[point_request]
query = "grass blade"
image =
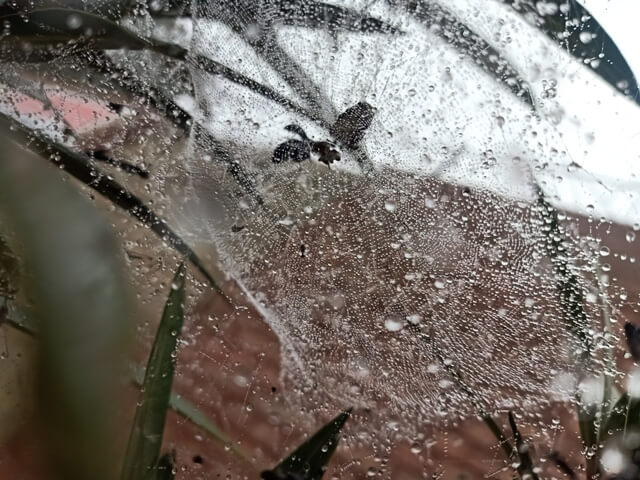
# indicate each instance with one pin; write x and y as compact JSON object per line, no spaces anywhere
{"x":589,"y":434}
{"x":321,"y":15}
{"x":525,"y":468}
{"x":465,"y":40}
{"x":41,"y":28}
{"x":624,"y":415}
{"x":309,"y":460}
{"x":568,"y":285}
{"x":79,"y":166}
{"x":500,"y":436}
{"x":192,"y":413}
{"x":19,"y":321}
{"x":145,"y":439}
{"x":164,"y":469}
{"x":600,"y":52}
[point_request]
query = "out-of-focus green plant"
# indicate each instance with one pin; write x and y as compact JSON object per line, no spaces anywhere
{"x":78,"y":300}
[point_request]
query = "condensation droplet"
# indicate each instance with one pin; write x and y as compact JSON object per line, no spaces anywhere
{"x":390,"y":206}
{"x":586,"y":37}
{"x":393,"y":324}
{"x":74,"y":21}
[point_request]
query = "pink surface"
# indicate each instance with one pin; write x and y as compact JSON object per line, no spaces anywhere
{"x":94,"y":124}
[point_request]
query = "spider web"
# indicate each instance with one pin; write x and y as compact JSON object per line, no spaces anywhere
{"x":419,"y":287}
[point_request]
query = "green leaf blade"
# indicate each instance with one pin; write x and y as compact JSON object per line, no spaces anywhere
{"x":164,"y":469}
{"x":309,"y":460}
{"x":145,"y":439}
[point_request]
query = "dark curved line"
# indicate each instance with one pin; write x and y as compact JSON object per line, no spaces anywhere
{"x":612,"y":67}
{"x":79,"y":166}
{"x":464,"y":39}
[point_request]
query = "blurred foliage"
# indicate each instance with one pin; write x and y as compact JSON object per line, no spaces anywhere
{"x":9,"y":270}
{"x":78,"y":300}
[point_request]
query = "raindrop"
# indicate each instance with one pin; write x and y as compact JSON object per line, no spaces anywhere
{"x":630,"y":236}
{"x":74,"y":21}
{"x":390,"y":206}
{"x":586,"y":37}
{"x":393,"y":325}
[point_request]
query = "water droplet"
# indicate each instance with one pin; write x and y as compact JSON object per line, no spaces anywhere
{"x":286,"y":221}
{"x":604,"y":251}
{"x":390,"y":206}
{"x":74,"y":21}
{"x":586,"y":37}
{"x":630,"y":236}
{"x":393,"y":324}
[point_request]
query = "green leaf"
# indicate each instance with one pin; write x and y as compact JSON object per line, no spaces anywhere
{"x":78,"y":303}
{"x":500,"y":436}
{"x":565,"y":26}
{"x":624,"y":415}
{"x":145,"y":438}
{"x":79,"y":166}
{"x":14,"y":317}
{"x":67,"y":28}
{"x":587,"y":416}
{"x":309,"y":460}
{"x":188,"y":410}
{"x":164,"y":469}
{"x":525,"y":468}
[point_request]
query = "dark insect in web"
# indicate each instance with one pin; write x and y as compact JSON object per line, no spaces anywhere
{"x":349,"y":129}
{"x":301,"y":150}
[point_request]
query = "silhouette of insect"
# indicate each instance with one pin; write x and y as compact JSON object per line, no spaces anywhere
{"x":352,"y":124}
{"x":294,"y":150}
{"x":349,"y":129}
{"x":301,"y":150}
